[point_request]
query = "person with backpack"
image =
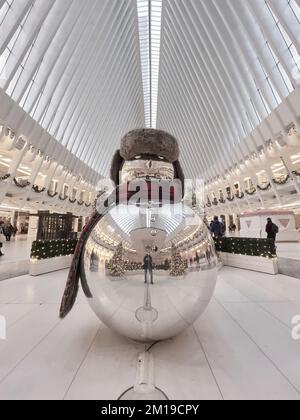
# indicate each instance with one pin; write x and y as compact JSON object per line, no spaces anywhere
{"x":271,"y":229}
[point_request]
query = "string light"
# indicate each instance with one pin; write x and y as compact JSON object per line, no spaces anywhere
{"x":264,"y":248}
{"x":42,"y":250}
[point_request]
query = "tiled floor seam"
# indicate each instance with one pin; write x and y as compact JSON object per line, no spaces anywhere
{"x":260,"y":349}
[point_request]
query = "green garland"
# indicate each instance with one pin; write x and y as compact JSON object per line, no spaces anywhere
{"x":266,"y":188}
{"x":230,"y":199}
{"x":133,"y":266}
{"x":42,"y":250}
{"x":283,"y":182}
{"x":251,"y":192}
{"x":208,"y":201}
{"x":19,"y":185}
{"x":5,"y":177}
{"x":37,"y":189}
{"x":247,"y":246}
{"x":52,"y":195}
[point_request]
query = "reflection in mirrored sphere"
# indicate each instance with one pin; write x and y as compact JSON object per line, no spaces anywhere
{"x":146,"y":286}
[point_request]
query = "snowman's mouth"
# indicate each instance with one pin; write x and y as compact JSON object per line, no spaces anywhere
{"x":147,"y":169}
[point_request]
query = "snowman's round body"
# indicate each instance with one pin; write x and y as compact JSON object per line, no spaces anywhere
{"x":150,"y":268}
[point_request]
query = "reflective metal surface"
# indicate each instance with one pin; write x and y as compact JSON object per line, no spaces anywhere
{"x":158,"y":299}
{"x":141,"y":168}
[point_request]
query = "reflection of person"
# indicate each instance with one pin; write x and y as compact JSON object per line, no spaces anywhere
{"x":216,"y":228}
{"x":148,"y":267}
{"x":209,"y":254}
{"x":94,"y":262}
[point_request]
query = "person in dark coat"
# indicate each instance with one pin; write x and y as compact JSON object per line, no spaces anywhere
{"x":8,"y":231}
{"x":217,"y":228}
{"x":271,"y":229}
{"x":232,"y":228}
{"x":148,"y":267}
{"x":1,"y":236}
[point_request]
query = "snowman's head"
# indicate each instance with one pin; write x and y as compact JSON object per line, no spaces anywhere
{"x":147,"y":154}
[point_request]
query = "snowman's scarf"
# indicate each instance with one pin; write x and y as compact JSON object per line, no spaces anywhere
{"x":72,"y":285}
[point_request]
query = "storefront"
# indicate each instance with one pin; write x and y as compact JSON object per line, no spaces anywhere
{"x":18,"y":219}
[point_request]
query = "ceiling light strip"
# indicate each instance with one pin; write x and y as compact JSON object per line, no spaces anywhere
{"x":149,"y":17}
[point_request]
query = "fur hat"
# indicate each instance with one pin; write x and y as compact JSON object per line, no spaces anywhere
{"x":149,"y":142}
{"x":146,"y":142}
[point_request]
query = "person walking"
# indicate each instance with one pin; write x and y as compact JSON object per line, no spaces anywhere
{"x":2,"y":238}
{"x":8,"y":231}
{"x":271,"y":229}
{"x":15,"y":231}
{"x":217,"y":228}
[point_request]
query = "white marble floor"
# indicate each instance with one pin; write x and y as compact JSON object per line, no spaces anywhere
{"x":241,"y":348}
{"x":15,"y":261}
{"x":18,"y":249}
{"x":289,"y":250}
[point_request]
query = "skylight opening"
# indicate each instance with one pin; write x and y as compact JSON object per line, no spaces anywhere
{"x":149,"y":15}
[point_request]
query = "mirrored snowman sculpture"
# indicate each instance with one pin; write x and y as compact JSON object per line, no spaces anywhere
{"x":146,"y":260}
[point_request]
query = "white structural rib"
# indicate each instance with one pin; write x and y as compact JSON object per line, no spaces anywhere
{"x":226,"y":65}
{"x":74,"y":67}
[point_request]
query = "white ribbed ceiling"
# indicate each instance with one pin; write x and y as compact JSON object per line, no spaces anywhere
{"x":74,"y":66}
{"x":81,"y":69}
{"x":225,"y":65}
